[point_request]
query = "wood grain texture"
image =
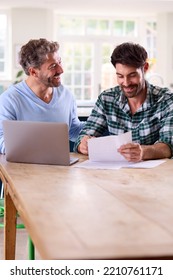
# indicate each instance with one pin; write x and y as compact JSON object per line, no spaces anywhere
{"x":75,"y":213}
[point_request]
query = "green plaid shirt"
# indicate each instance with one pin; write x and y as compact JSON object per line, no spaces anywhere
{"x":153,"y":121}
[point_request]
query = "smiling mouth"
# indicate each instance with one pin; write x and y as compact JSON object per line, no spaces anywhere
{"x":129,"y":89}
{"x":57,"y":77}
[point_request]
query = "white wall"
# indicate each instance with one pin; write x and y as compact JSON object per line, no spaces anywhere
{"x":165,"y":48}
{"x":29,"y":24}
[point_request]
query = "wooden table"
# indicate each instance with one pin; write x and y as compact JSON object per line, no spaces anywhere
{"x":75,"y":213}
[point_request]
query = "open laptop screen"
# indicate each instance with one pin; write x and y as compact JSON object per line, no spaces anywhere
{"x":37,"y":142}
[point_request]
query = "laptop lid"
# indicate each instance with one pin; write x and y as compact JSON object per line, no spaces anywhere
{"x":37,"y":142}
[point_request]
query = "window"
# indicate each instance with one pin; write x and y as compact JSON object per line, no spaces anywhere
{"x":79,"y":73}
{"x":151,"y":29}
{"x":71,"y":26}
{"x":97,"y":27}
{"x":86,"y":44}
{"x":124,"y":28}
{"x":108,"y":76}
{"x":4,"y":50}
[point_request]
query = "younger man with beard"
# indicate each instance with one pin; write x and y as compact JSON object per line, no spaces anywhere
{"x":134,"y":105}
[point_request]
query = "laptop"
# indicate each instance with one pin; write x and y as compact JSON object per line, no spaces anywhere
{"x":37,"y":142}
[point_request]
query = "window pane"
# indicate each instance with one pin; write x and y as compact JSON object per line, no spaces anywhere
{"x":3,"y":23}
{"x":87,"y":94}
{"x":1,"y":66}
{"x":152,"y":26}
{"x":1,"y":52}
{"x":103,"y":27}
{"x":124,"y":28}
{"x":3,"y":41}
{"x":108,"y":74}
{"x":79,"y":66}
{"x":77,"y":49}
{"x":87,"y":78}
{"x":118,"y":27}
{"x":130,"y":28}
{"x":91,"y":26}
{"x":106,"y":52}
{"x":77,"y":93}
{"x":97,"y":27}
{"x":68,"y":64}
{"x":87,"y":64}
{"x":71,"y":26}
{"x":77,"y":79}
{"x":67,"y":78}
{"x":151,"y":33}
{"x":88,"y":50}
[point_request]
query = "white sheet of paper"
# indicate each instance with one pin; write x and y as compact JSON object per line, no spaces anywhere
{"x":143,"y":164}
{"x":105,"y":148}
{"x":119,"y":164}
{"x":98,"y":165}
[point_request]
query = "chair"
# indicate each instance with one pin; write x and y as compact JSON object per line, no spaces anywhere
{"x":31,"y":248}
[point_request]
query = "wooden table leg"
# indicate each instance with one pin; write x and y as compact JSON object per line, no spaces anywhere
{"x":10,"y":227}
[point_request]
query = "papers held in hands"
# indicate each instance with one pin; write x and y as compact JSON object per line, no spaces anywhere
{"x":105,"y":148}
{"x":103,"y":154}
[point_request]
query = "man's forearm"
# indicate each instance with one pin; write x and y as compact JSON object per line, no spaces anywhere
{"x":156,"y":151}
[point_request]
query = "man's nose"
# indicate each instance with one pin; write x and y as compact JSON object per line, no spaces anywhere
{"x":126,"y":81}
{"x":59,"y":68}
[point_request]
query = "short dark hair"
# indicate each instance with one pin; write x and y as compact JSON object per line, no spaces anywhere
{"x":129,"y":54}
{"x":33,"y":54}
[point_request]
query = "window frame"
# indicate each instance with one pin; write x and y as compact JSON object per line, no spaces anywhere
{"x":7,"y":74}
{"x":140,"y":37}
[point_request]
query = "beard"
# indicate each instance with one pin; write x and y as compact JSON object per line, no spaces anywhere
{"x":132,"y":90}
{"x":53,"y":81}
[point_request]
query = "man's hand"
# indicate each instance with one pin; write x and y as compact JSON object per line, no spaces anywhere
{"x":83,"y":146}
{"x":132,"y":152}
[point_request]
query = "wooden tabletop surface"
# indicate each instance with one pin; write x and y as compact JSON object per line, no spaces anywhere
{"x":75,"y":213}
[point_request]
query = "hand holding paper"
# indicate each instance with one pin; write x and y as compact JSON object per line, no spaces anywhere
{"x":103,"y":154}
{"x":105,"y":148}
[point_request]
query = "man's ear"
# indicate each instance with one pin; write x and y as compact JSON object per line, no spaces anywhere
{"x":32,"y":71}
{"x":146,"y":66}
